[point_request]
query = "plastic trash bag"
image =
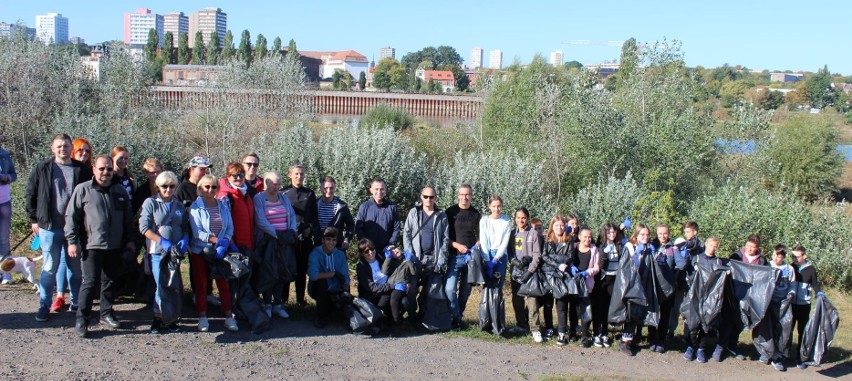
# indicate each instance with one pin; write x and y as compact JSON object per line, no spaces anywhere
{"x":577,"y":286}
{"x":704,"y":298}
{"x":819,"y":332}
{"x":752,"y":287}
{"x":474,"y":267}
{"x":171,"y":288}
{"x":492,"y":310}
{"x":584,"y":309}
{"x":435,"y":314}
{"x":369,"y":310}
{"x":535,"y":286}
{"x":557,"y":283}
{"x":357,"y":322}
{"x":771,"y":336}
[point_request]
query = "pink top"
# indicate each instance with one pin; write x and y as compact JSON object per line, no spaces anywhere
{"x":276,"y":214}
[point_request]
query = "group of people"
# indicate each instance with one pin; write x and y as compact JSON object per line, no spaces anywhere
{"x":93,"y":216}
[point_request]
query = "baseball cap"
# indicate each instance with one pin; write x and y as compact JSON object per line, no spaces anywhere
{"x":200,"y":161}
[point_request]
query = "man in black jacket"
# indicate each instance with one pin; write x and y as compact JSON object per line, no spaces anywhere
{"x":332,"y":211}
{"x":304,"y":202}
{"x":102,"y":212}
{"x":48,"y":191}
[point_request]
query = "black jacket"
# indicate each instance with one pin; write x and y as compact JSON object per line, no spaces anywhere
{"x":342,"y":221}
{"x":304,"y":202}
{"x":38,"y":195}
{"x":367,"y":288}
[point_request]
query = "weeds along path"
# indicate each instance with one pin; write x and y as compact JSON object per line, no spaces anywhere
{"x":295,"y":349}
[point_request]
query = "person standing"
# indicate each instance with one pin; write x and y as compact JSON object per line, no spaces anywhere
{"x":7,"y":177}
{"x":425,"y":237}
{"x":275,"y":218}
{"x":101,"y":211}
{"x":494,"y":231}
{"x":187,"y":191}
{"x":49,"y":189}
{"x":378,"y":218}
{"x":304,"y":202}
{"x":463,"y":221}
{"x":251,"y":165}
{"x":332,"y":211}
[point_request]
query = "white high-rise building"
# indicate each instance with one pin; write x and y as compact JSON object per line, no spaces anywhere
{"x":495,"y":59}
{"x":52,"y":28}
{"x":387,"y":52}
{"x":138,"y":24}
{"x":177,"y":23}
{"x":208,"y":20}
{"x":556,"y":58}
{"x":476,"y":58}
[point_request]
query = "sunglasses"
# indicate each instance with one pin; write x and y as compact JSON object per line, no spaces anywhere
{"x":168,"y":186}
{"x":237,"y":176}
{"x":84,"y":150}
{"x":211,"y":187}
{"x":104,"y":169}
{"x":251,"y":164}
{"x":425,"y":197}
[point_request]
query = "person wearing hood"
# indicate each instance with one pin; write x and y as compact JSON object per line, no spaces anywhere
{"x":806,"y":284}
{"x":328,"y":274}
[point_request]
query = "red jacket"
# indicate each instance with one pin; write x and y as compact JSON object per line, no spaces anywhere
{"x":242,"y":212}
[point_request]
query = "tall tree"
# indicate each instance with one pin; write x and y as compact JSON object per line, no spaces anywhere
{"x":244,"y":52}
{"x":151,"y":45}
{"x":362,"y":80}
{"x":228,"y":49}
{"x":260,"y":47}
{"x":292,"y":52}
{"x":168,"y":53}
{"x":629,"y":61}
{"x":183,"y":49}
{"x":213,"y":49}
{"x":276,"y":45}
{"x":335,"y":79}
{"x":819,"y":88}
{"x":198,"y":49}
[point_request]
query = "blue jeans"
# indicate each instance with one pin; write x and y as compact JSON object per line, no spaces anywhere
{"x":5,"y":228}
{"x":53,"y":247}
{"x":156,"y":258}
{"x":69,"y":272}
{"x":457,"y":281}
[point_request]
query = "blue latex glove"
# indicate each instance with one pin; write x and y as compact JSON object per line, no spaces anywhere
{"x":568,"y":229}
{"x":683,"y":253}
{"x":627,"y":223}
{"x":489,"y":268}
{"x":36,"y":244}
{"x":474,"y":247}
{"x":640,"y":247}
{"x":183,"y":244}
{"x":165,"y":244}
{"x":233,"y":248}
{"x":583,"y":274}
{"x":574,"y":270}
{"x":220,"y":252}
{"x":467,"y":258}
{"x":223,"y":243}
{"x":408,"y":255}
{"x":786,"y":273}
{"x":400,"y":287}
{"x":820,"y":293}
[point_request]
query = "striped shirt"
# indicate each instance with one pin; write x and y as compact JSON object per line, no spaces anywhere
{"x":326,"y":211}
{"x":276,"y":213}
{"x":215,"y":219}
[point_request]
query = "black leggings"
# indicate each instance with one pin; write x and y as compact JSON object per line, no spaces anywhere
{"x":801,"y":315}
{"x":392,"y":302}
{"x":601,"y":296}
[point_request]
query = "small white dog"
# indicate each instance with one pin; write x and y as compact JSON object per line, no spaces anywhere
{"x":21,"y":265}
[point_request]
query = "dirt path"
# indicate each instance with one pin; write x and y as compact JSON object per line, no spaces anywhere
{"x":295,"y":349}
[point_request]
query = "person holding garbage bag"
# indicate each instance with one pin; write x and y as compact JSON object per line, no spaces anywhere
{"x":494,"y":231}
{"x":164,"y":223}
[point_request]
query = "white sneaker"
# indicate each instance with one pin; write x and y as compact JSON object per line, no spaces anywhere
{"x":279,"y":311}
{"x":203,"y":324}
{"x":231,"y":324}
{"x":213,"y":301}
{"x":537,"y":336}
{"x":269,"y":311}
{"x":7,"y":278}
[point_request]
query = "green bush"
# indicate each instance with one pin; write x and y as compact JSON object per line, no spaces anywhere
{"x":384,"y":115}
{"x":607,"y":200}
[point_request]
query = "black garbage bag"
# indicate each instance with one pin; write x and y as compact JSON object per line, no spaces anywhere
{"x":357,"y":322}
{"x":369,"y":310}
{"x":535,"y":286}
{"x":273,"y":263}
{"x":819,"y":332}
{"x":492,"y":310}
{"x":704,"y":298}
{"x":773,"y":334}
{"x":474,"y":267}
{"x":557,"y":283}
{"x":171,"y":287}
{"x":435,"y":314}
{"x":577,"y":286}
{"x":751,"y":290}
{"x":584,"y":309}
{"x":637,"y":292}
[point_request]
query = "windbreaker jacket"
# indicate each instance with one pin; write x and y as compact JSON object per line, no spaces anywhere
{"x":440,"y":235}
{"x":101,"y":214}
{"x":167,"y":219}
{"x":38,"y":196}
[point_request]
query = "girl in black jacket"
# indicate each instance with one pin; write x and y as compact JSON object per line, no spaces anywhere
{"x":609,"y":241}
{"x":558,"y":257}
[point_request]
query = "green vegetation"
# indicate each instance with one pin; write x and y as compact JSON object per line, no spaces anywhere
{"x":384,"y":115}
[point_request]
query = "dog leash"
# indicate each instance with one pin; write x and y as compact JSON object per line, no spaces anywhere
{"x":22,"y":240}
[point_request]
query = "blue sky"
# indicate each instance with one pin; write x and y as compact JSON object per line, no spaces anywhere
{"x":773,"y":35}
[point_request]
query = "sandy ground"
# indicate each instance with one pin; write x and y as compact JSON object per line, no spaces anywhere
{"x":295,"y":349}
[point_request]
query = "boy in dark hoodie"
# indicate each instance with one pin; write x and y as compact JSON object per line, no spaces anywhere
{"x":806,"y":283}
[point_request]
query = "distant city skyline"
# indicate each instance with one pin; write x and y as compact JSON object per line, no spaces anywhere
{"x":755,"y":35}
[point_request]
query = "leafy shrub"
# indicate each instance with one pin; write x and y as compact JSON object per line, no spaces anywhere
{"x":384,"y":115}
{"x":288,"y":145}
{"x":609,"y":199}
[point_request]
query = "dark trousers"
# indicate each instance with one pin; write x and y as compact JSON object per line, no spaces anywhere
{"x":302,"y":250}
{"x":99,"y":266}
{"x":730,"y":327}
{"x":801,"y":315}
{"x":601,"y":296}
{"x":698,"y":339}
{"x":392,"y":304}
{"x":657,"y":335}
{"x":520,"y":307}
{"x":565,"y":307}
{"x":326,"y":301}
